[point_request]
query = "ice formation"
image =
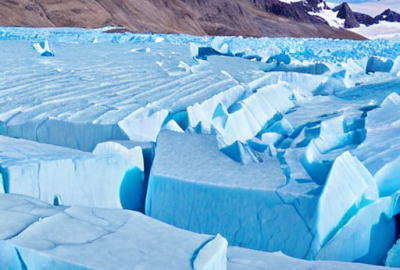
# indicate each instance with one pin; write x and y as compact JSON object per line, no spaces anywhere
{"x":279,"y":145}
{"x":349,"y":180}
{"x":238,"y":195}
{"x":36,"y":235}
{"x":108,"y":179}
{"x":247,"y":259}
{"x":212,"y":255}
{"x":43,"y":48}
{"x":393,"y":257}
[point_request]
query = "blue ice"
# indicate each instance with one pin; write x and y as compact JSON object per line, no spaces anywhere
{"x":35,"y":234}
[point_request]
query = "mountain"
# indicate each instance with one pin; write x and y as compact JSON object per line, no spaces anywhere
{"x":354,"y":19}
{"x":346,"y":13}
{"x":365,"y":19}
{"x":297,"y":11}
{"x":269,"y":18}
{"x":389,"y":16}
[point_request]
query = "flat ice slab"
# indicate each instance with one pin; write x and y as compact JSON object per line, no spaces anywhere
{"x":76,"y":178}
{"x":193,"y":184}
{"x":91,"y":238}
{"x":197,"y":159}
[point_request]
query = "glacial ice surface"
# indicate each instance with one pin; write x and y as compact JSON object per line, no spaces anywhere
{"x":284,"y":144}
{"x":36,"y":234}
{"x":242,"y":197}
{"x":153,"y":81}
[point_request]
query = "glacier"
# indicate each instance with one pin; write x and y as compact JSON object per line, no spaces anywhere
{"x":258,"y":148}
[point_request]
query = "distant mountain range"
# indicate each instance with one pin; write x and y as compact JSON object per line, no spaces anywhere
{"x":270,"y":18}
{"x":354,"y":19}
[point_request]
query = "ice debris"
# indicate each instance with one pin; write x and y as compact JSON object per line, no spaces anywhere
{"x":43,"y":48}
{"x":212,"y":256}
{"x":376,"y":64}
{"x":393,"y":256}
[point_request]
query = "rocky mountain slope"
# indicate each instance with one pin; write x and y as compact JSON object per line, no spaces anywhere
{"x":196,"y":17}
{"x":346,"y":13}
{"x":389,"y":16}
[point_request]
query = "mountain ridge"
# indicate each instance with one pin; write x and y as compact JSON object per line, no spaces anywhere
{"x":195,"y":17}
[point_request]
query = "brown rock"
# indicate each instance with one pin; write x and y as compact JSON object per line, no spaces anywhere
{"x":196,"y":17}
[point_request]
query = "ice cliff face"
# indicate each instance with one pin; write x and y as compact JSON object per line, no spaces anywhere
{"x":269,"y":144}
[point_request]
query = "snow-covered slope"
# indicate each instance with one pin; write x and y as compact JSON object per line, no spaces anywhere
{"x":383,"y":30}
{"x":331,"y":17}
